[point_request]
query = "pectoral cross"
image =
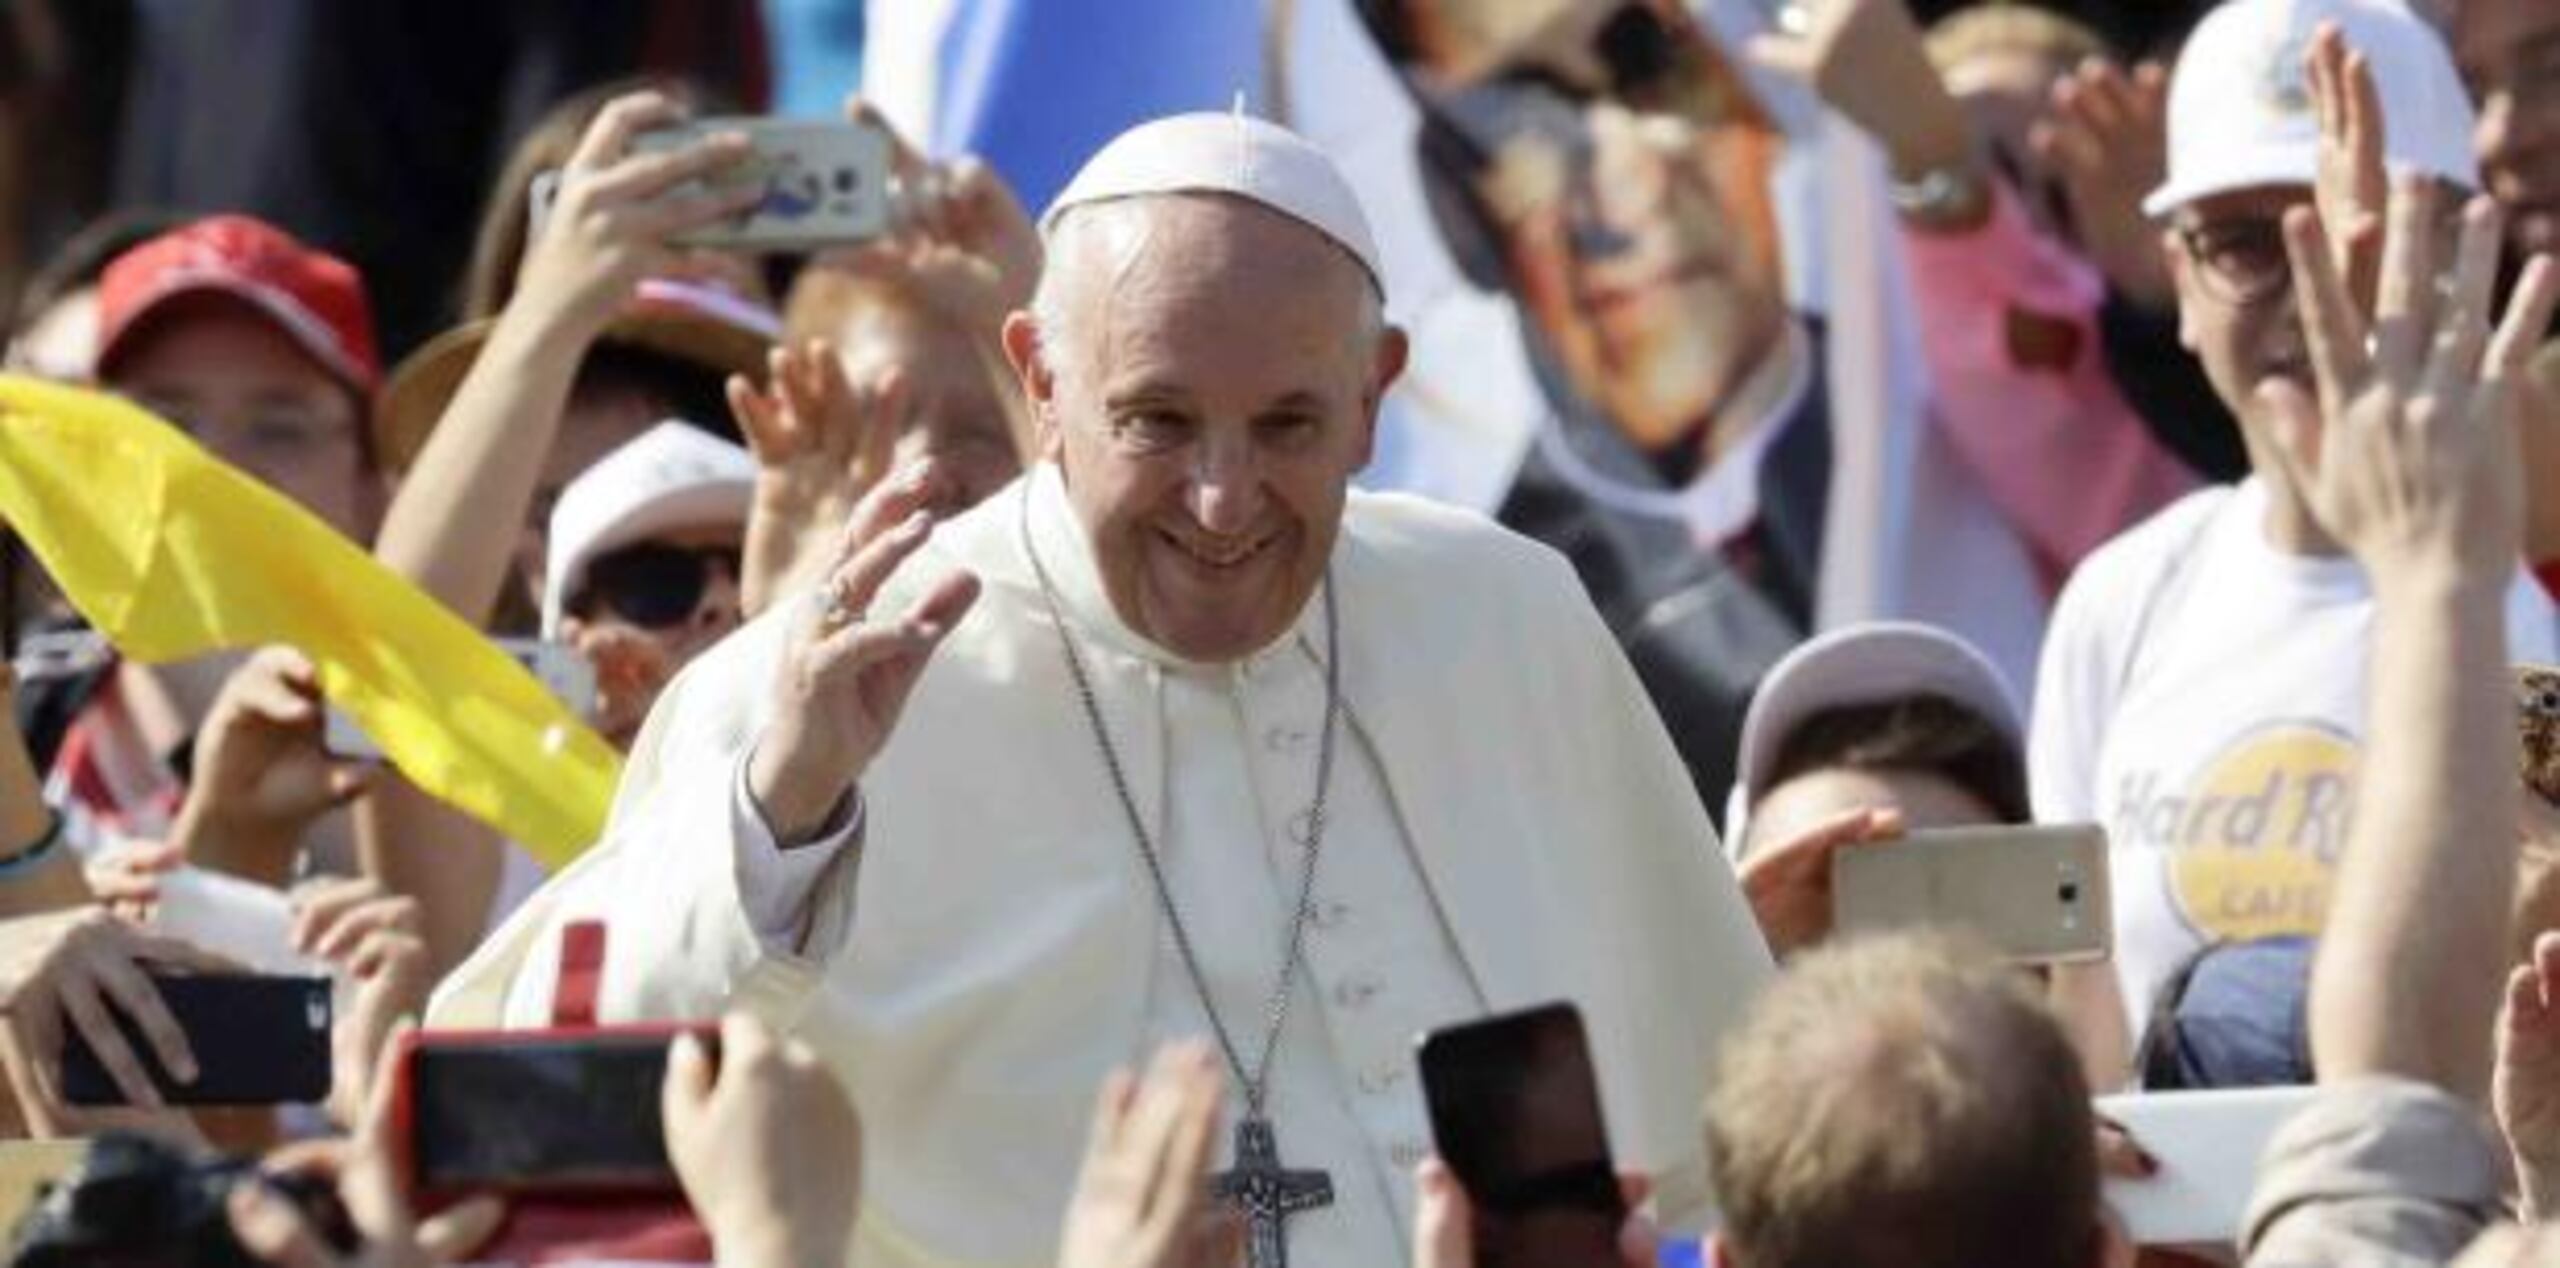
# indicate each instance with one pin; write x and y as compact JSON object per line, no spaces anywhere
{"x":1266,"y":1193}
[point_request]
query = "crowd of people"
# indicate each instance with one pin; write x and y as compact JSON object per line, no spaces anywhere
{"x":1055,"y":788}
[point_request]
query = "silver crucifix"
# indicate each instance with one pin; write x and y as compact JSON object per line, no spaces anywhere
{"x":1266,"y":1193}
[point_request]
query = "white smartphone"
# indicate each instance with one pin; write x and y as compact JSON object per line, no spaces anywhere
{"x":244,"y":921}
{"x":2037,"y":894}
{"x":2207,"y":1144}
{"x":824,"y":183}
{"x":563,"y":670}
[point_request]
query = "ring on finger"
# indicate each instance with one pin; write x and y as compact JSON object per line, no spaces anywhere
{"x":835,"y":613}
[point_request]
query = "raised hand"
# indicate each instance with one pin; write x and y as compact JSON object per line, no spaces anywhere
{"x":261,"y":776}
{"x":68,"y":971}
{"x":373,"y":939}
{"x":767,"y":1147}
{"x":610,"y":221}
{"x":2407,"y":451}
{"x":820,"y":443}
{"x":962,"y":206}
{"x":2352,"y":190}
{"x":1865,"y":59}
{"x":2105,"y":136}
{"x":2525,"y":1089}
{"x":1142,"y":1196}
{"x":1788,"y":883}
{"x":366,"y":1173}
{"x":846,"y":671}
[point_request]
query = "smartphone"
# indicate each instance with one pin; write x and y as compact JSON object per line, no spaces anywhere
{"x":1515,"y":1112}
{"x":257,"y":1040}
{"x":537,"y":1111}
{"x":2207,"y":1144}
{"x":2037,"y":894}
{"x":824,"y":183}
{"x":567,"y":674}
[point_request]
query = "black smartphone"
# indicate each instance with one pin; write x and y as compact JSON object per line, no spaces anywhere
{"x":1515,"y":1112}
{"x":550,"y":1111}
{"x":257,"y":1040}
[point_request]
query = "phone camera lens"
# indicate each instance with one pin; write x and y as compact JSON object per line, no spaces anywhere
{"x":2070,"y":891}
{"x":844,"y":180}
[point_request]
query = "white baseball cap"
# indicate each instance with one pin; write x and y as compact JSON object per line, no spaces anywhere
{"x":1235,"y":154}
{"x":1868,"y":663}
{"x":2240,"y":108}
{"x":672,"y":477}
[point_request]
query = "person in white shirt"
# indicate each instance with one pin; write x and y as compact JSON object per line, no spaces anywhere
{"x":1174,"y":736}
{"x":2201,"y":692}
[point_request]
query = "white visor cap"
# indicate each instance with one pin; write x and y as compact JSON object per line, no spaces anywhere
{"x":2240,"y":108}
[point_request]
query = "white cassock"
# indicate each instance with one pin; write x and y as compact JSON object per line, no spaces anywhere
{"x":1507,"y":825}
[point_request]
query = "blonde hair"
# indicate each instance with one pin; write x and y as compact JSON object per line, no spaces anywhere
{"x":1903,"y":1101}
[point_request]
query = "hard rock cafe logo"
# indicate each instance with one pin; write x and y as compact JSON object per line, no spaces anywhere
{"x":2252,"y":841}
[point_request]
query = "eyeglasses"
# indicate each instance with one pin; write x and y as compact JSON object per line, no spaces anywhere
{"x":653,"y":585}
{"x":2241,"y":262}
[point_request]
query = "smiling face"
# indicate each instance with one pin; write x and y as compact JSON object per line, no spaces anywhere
{"x":1624,"y":167}
{"x":1207,"y":380}
{"x":2236,"y":310}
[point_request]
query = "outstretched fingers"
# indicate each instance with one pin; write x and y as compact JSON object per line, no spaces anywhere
{"x":2404,"y":314}
{"x":2461,"y":336}
{"x":2330,"y":327}
{"x":2529,"y":313}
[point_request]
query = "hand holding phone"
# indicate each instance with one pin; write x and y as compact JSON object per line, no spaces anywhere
{"x":537,"y":1111}
{"x":2037,"y":894}
{"x":1515,"y":1112}
{"x":253,"y":1039}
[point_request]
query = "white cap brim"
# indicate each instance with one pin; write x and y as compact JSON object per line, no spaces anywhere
{"x":1868,"y":663}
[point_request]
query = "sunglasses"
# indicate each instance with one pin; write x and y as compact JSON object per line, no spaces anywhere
{"x":652,"y":585}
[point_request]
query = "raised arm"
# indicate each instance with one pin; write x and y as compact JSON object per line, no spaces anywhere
{"x":2408,"y":458}
{"x":459,"y":516}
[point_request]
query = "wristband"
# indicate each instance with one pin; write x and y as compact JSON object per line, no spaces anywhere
{"x":37,"y":851}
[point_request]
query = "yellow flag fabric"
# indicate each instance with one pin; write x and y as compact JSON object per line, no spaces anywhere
{"x":171,"y":554}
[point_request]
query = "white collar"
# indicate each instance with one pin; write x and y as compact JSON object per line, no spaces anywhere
{"x":1725,"y":497}
{"x":1066,"y":551}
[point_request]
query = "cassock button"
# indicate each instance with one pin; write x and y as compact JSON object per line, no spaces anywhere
{"x":1381,"y":1082}
{"x":1355,"y":992}
{"x":1330,"y":914}
{"x":1283,"y":739}
{"x":1302,"y":827}
{"x":1407,"y":1155}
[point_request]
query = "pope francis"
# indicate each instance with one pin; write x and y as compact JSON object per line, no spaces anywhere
{"x":1176,"y":736}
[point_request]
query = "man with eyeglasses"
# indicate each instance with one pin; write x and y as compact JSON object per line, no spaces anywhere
{"x":2202,"y":691}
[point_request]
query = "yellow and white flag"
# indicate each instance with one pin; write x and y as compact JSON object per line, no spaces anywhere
{"x":171,"y":554}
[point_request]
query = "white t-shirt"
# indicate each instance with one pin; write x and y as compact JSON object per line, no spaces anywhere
{"x":2202,"y":695}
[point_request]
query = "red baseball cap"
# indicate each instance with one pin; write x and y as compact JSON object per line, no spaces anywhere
{"x":315,"y":298}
